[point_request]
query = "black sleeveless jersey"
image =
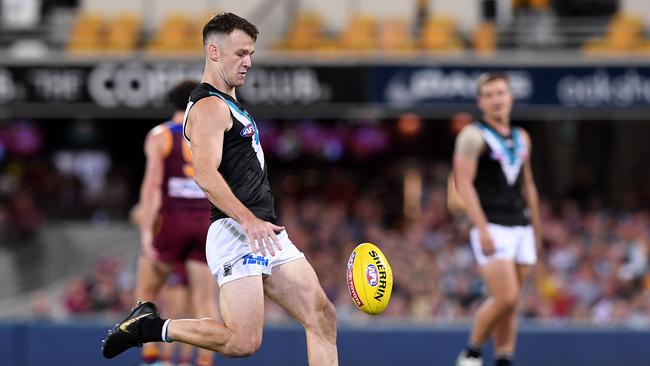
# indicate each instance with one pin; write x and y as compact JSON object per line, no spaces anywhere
{"x":498,"y":177}
{"x":242,"y":162}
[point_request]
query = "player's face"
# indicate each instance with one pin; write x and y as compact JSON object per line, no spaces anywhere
{"x":495,"y":99}
{"x":236,"y":57}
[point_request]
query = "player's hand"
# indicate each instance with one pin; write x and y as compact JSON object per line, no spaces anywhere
{"x":487,"y":244}
{"x":146,"y":242}
{"x":539,"y":244}
{"x":262,"y":236}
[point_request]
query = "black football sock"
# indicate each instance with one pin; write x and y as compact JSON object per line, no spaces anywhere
{"x":473,"y":350}
{"x":151,"y":330}
{"x":504,"y":359}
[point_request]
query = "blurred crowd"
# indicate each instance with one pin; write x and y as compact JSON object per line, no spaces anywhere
{"x":39,"y":182}
{"x":33,"y":189}
{"x":593,"y":266}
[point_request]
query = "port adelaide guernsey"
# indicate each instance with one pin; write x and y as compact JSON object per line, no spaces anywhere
{"x":242,"y":163}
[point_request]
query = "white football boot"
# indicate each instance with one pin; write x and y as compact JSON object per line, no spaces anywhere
{"x":463,"y":360}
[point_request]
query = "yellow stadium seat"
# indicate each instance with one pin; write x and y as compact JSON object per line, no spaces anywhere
{"x":122,"y":33}
{"x":86,"y":34}
{"x":540,"y":4}
{"x":176,"y":34}
{"x":395,"y":37}
{"x":484,"y":38}
{"x":624,"y":35}
{"x":535,"y":4}
{"x":359,"y":34}
{"x":305,"y":33}
{"x":439,"y":36}
{"x":642,"y":48}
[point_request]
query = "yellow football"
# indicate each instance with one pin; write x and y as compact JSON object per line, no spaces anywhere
{"x":370,"y":278}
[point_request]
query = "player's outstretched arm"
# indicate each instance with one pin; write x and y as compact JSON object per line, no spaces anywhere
{"x":466,"y":151}
{"x":207,"y":123}
{"x":455,"y":204}
{"x":529,"y":191}
{"x":155,"y":147}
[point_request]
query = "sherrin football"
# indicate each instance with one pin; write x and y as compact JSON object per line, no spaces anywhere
{"x":370,"y":278}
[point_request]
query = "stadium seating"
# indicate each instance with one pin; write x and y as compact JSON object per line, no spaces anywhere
{"x":359,"y":34}
{"x":371,"y":33}
{"x":305,"y":33}
{"x":439,"y":35}
{"x":484,"y":39}
{"x":534,"y":4}
{"x":623,"y":36}
{"x":178,"y":33}
{"x":86,"y":34}
{"x":122,"y":33}
{"x":395,"y":37}
{"x":93,"y":33}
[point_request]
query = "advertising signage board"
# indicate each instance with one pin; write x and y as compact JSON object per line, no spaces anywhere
{"x":120,"y":89}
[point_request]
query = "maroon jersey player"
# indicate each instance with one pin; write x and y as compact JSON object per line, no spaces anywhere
{"x":174,"y":218}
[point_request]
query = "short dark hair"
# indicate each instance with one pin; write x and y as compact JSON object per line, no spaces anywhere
{"x":225,"y":23}
{"x":488,"y":77}
{"x":179,"y":95}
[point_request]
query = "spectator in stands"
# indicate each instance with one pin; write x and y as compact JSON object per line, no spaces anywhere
{"x":76,"y":298}
{"x":24,"y":216}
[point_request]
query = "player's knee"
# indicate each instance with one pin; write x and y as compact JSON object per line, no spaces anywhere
{"x":507,"y":302}
{"x":329,"y":316}
{"x":328,"y":312}
{"x":242,"y":346}
{"x":323,"y":317}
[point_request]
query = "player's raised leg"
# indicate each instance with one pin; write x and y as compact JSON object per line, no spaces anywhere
{"x":240,"y":332}
{"x":238,"y":335}
{"x":295,"y":287}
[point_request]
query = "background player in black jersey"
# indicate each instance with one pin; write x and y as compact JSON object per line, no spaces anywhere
{"x":248,"y":254}
{"x":494,"y":181}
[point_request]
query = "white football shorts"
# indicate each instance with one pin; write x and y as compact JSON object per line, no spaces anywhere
{"x":229,"y":255}
{"x":510,"y":242}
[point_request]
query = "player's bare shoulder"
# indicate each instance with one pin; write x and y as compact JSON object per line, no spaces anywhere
{"x":159,"y":139}
{"x":525,"y":136}
{"x":469,"y":141}
{"x":208,"y":113}
{"x":158,"y":131}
